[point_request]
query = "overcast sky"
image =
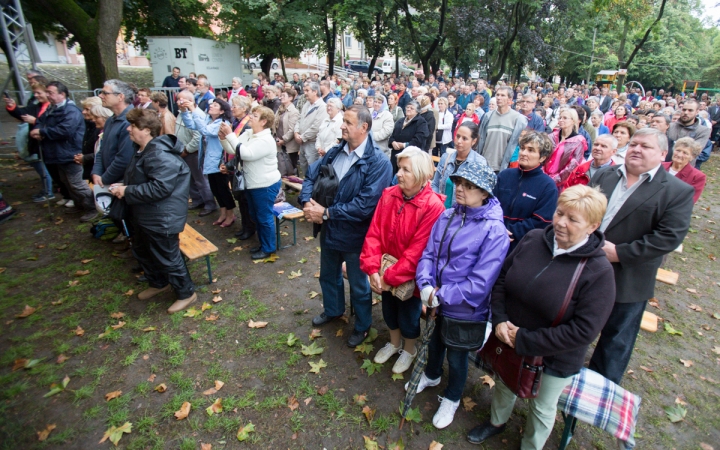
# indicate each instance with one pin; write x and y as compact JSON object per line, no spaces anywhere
{"x":711,"y":9}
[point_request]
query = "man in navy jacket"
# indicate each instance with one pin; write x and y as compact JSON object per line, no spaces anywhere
{"x":363,"y":172}
{"x":116,"y":149}
{"x":61,"y":130}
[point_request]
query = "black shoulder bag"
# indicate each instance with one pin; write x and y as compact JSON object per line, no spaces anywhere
{"x":324,"y":190}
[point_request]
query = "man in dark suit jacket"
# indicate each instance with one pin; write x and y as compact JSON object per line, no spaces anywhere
{"x":605,"y":100}
{"x":648,"y":216}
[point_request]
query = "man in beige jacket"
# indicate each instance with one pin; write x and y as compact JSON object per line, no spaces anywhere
{"x":313,"y":113}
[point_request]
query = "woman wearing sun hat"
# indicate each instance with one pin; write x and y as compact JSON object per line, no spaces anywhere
{"x":456,"y":273}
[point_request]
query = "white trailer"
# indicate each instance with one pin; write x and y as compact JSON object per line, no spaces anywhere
{"x":220,"y":62}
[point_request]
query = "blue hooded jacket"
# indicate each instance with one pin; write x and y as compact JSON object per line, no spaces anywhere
{"x":357,"y":196}
{"x":62,"y":129}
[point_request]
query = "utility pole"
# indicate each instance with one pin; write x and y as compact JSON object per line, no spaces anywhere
{"x":592,"y":55}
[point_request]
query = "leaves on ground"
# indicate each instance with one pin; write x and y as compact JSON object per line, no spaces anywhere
{"x":118,"y":326}
{"x":294,"y":274}
{"x":413,"y":414}
{"x":291,"y":339}
{"x":253,"y":324}
{"x":146,"y":329}
{"x":215,"y":408}
{"x":244,"y":432}
{"x":24,"y":363}
{"x":79,"y":331}
{"x":43,"y":434}
{"x":369,"y":413}
{"x":397,"y":376}
{"x":360,"y":399}
{"x":313,"y":294}
{"x":28,"y":310}
{"x":271,"y":259}
{"x":117,"y":315}
{"x":312,"y":349}
{"x":115,"y":433}
{"x":129,"y":292}
{"x":82,"y":273}
{"x":716,"y":349}
{"x":672,"y":331}
{"x":205,"y":306}
{"x":435,"y":446}
{"x":162,"y":387}
{"x":323,"y":390}
{"x":399,"y":445}
{"x":192,"y":312}
{"x":56,"y":389}
{"x":303,"y":260}
{"x":315,"y":367}
{"x":468,"y":404}
{"x":365,"y":348}
{"x":293,"y":403}
{"x":695,"y":307}
{"x":232,"y":240}
{"x":372,"y":335}
{"x":692,"y":291}
{"x":73,"y":283}
{"x":675,"y":413}
{"x":217,"y":299}
{"x":309,"y":238}
{"x":647,"y":369}
{"x":486,"y":379}
{"x":339,"y":332}
{"x":86,"y":261}
{"x":315,"y":333}
{"x":236,"y":249}
{"x":369,"y":443}
{"x":686,"y":362}
{"x":371,"y":367}
{"x":111,"y":395}
{"x":183,"y":412}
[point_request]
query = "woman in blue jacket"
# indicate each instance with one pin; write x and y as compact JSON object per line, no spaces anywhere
{"x":211,"y":152}
{"x":457,"y":271}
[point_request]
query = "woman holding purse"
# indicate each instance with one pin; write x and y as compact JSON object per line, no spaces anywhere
{"x":457,"y":270}
{"x":399,"y":231}
{"x":545,"y":261}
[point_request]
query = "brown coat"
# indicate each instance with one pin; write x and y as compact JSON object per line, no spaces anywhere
{"x":285,"y":127}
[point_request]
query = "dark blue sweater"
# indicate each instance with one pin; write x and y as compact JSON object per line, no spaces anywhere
{"x":528,"y":200}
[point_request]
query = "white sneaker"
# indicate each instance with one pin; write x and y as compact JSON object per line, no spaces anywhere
{"x":424,"y":383}
{"x":445,"y":413}
{"x":404,"y":361}
{"x":70,"y":204}
{"x":385,"y":353}
{"x":61,"y":202}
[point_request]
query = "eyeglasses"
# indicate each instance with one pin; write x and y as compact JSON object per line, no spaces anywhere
{"x":108,"y":93}
{"x":465,"y":185}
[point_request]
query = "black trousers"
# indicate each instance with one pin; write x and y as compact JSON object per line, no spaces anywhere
{"x":245,"y":219}
{"x":54,"y":172}
{"x":160,"y":258}
{"x":220,"y":187}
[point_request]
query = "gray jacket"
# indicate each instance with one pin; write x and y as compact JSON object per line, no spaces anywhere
{"x":311,"y":117}
{"x":190,"y":138}
{"x":520,"y":125}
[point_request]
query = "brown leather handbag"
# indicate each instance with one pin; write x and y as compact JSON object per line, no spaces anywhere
{"x":405,"y":290}
{"x":521,"y":374}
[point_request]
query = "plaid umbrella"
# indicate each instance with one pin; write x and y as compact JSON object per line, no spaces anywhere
{"x":420,"y":363}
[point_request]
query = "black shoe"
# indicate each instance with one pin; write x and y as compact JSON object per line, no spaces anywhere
{"x":255,"y":249}
{"x":206,"y":212}
{"x":322,"y":319}
{"x":142,"y":279}
{"x":480,"y":433}
{"x":136,"y":269}
{"x":244,"y":235}
{"x":196,"y":206}
{"x":357,"y":337}
{"x":259,"y":255}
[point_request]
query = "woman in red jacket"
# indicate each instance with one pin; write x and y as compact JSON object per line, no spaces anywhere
{"x":468,"y":115}
{"x":401,"y":228}
{"x":685,"y":150}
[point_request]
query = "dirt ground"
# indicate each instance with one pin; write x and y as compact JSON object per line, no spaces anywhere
{"x":267,"y":382}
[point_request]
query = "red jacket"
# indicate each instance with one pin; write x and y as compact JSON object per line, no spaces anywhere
{"x":461,"y":119}
{"x":691,"y":176}
{"x":400,"y":228}
{"x":580,"y":175}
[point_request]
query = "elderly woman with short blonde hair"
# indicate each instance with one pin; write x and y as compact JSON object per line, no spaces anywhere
{"x":685,"y":151}
{"x":400,"y":228}
{"x":329,"y":133}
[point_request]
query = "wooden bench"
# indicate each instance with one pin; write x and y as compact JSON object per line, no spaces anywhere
{"x":193,"y":245}
{"x":292,"y":216}
{"x":667,"y":276}
{"x":435,"y":159}
{"x":291,"y":185}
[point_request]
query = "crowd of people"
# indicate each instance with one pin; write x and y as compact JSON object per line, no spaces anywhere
{"x":539,"y":194}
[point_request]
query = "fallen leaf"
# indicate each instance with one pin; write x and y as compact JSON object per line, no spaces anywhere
{"x":20,"y":364}
{"x":59,"y":302}
{"x":215,"y":291}
{"x":215,"y":408}
{"x":212,"y":317}
{"x":58,"y":221}
{"x":82,"y":273}
{"x":3,"y":269}
{"x":687,"y":362}
{"x":716,"y":316}
{"x":435,"y":446}
{"x":43,"y":434}
{"x":244,"y":432}
{"x":271,"y":259}
{"x":309,"y":238}
{"x":675,"y":413}
{"x":372,"y":335}
{"x":294,"y":274}
{"x":115,"y":433}
{"x":647,"y":369}
{"x":146,"y":357}
{"x":111,"y":395}
{"x":313,"y":294}
{"x":364,"y":348}
{"x":468,"y":404}
{"x":705,"y":446}
{"x":129,"y":293}
{"x":232,"y":240}
{"x":236,"y":249}
{"x":369,"y":443}
{"x":307,"y":401}
{"x":62,"y":358}
{"x":315,"y":333}
{"x":303,"y":260}
{"x":716,"y":350}
{"x":73,"y":283}
{"x":692,"y":291}
{"x":368,"y":413}
{"x":219,"y":384}
{"x":205,"y":446}
{"x":26,"y":312}
{"x":312,"y":349}
{"x":323,"y":390}
{"x":118,"y":326}
{"x":291,"y":339}
{"x":486,"y":379}
{"x":183,"y":412}
{"x":162,"y":387}
{"x":399,"y":445}
{"x":397,"y":376}
{"x":152,"y":377}
{"x":31,"y":258}
{"x":281,"y":272}
{"x":317,"y":275}
{"x":315,"y":367}
{"x":217,"y":299}
{"x":252,"y":324}
{"x":680,"y":402}
{"x":360,"y":399}
{"x":192,"y":312}
{"x":210,"y":391}
{"x":146,"y":329}
{"x":695,"y":307}
{"x":79,"y":331}
{"x":205,"y":306}
{"x":339,"y":332}
{"x":654,"y":304}
{"x":85,"y":261}
{"x":293,"y":403}
{"x":117,"y":315}
{"x":672,"y":331}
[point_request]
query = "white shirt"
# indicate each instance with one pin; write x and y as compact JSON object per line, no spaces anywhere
{"x":345,"y":158}
{"x":622,"y":192}
{"x":557,"y":251}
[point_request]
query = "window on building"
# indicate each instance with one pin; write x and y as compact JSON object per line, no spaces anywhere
{"x":348,"y":41}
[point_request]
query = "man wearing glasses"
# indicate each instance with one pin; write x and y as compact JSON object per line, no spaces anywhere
{"x":116,"y":150}
{"x":526,"y":107}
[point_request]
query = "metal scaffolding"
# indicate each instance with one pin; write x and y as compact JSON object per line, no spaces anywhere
{"x":20,"y":49}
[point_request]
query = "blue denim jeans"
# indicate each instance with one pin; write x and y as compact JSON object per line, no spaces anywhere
{"x":404,"y":315}
{"x":617,"y":340}
{"x":260,"y":202}
{"x":44,"y":176}
{"x":333,"y":287}
{"x":457,"y":364}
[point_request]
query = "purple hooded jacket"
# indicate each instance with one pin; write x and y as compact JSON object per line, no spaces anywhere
{"x":469,"y":260}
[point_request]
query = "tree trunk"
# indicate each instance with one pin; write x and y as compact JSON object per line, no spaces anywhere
{"x":626,"y":64}
{"x":97,"y":36}
{"x":282,"y":64}
{"x":266,"y":64}
{"x":623,"y":40}
{"x":425,"y":57}
{"x":331,"y":50}
{"x":519,"y":16}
